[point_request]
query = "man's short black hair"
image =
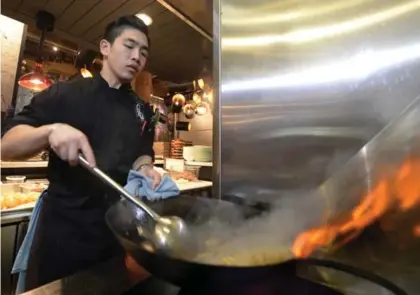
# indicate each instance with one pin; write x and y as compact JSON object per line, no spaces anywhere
{"x":114,"y":29}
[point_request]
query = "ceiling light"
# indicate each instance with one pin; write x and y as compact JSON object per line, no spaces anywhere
{"x":196,"y":97}
{"x":178,"y":100}
{"x":145,"y":18}
{"x":85,"y":73}
{"x":200,"y":83}
{"x":55,"y":48}
{"x":189,"y":110}
{"x":35,"y":80}
{"x":202,"y":108}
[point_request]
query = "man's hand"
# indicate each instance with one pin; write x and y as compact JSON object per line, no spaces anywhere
{"x":148,"y":171}
{"x":67,"y":142}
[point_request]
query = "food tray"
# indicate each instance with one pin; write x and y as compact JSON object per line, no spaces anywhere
{"x":20,"y":191}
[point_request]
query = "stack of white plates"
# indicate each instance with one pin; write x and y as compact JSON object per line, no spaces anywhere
{"x":202,"y":153}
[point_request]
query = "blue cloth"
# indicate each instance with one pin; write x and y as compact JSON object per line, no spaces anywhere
{"x":21,"y":262}
{"x":141,"y":186}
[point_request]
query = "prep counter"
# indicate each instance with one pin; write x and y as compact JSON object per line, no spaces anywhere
{"x":109,"y":278}
{"x":14,"y":225}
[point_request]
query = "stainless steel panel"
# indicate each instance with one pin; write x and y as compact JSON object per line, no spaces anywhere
{"x":373,"y":206}
{"x":390,"y":159}
{"x":217,"y":113}
{"x":305,"y":84}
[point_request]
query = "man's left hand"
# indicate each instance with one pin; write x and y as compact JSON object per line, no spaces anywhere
{"x":148,"y":171}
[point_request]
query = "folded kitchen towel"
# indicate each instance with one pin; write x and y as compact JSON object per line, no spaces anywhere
{"x":141,"y":186}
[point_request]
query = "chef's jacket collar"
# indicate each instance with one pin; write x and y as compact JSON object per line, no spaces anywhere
{"x":103,"y":84}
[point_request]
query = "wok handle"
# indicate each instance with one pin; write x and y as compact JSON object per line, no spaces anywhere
{"x":114,"y":185}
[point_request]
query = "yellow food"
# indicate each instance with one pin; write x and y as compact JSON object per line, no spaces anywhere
{"x":235,"y":252}
{"x":14,"y":199}
{"x":243,"y":258}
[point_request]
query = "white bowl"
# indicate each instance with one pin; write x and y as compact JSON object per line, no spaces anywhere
{"x":188,"y":153}
{"x":15,"y":179}
{"x":203,"y":153}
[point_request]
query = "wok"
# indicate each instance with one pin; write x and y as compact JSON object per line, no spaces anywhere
{"x":125,"y":220}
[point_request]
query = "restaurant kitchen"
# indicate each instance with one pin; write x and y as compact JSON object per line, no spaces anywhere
{"x":62,"y":37}
{"x":315,"y":153}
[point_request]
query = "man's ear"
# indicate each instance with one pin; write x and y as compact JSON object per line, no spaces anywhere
{"x":104,"y":47}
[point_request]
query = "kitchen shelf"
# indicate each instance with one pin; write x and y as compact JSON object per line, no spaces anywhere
{"x":202,"y":164}
{"x":44,"y":164}
{"x":193,"y":185}
{"x":23,"y":164}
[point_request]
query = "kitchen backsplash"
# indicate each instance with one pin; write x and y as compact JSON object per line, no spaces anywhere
{"x":201,"y":132}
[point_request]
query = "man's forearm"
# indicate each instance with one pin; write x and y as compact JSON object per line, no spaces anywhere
{"x":24,"y":141}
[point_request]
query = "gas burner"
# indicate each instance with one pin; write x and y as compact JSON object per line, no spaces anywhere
{"x":282,"y":285}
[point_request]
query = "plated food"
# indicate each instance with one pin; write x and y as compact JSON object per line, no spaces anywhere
{"x":183,"y":177}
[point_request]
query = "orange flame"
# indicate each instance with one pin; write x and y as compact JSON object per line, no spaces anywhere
{"x":401,"y":190}
{"x":416,"y":230}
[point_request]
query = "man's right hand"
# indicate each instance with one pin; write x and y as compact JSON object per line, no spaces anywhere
{"x":67,"y":142}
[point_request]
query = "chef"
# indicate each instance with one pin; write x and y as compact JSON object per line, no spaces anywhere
{"x":105,"y":120}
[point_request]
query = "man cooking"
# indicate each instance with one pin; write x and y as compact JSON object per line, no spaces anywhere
{"x":102,"y":118}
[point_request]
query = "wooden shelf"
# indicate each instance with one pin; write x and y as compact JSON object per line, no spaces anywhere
{"x":202,"y":164}
{"x":188,"y":186}
{"x":23,"y":164}
{"x":44,"y":164}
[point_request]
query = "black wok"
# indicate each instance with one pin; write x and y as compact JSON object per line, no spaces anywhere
{"x":124,"y":219}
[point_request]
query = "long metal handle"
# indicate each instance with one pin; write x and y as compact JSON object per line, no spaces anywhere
{"x":109,"y":181}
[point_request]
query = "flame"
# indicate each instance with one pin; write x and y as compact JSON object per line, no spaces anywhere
{"x":416,"y":230}
{"x":401,"y":190}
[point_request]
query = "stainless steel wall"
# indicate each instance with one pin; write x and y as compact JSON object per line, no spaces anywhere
{"x":304,"y":85}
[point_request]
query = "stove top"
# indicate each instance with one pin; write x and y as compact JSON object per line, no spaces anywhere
{"x":283,"y":285}
{"x":280,"y":286}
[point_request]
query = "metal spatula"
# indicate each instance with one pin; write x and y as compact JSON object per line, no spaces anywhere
{"x":171,"y":232}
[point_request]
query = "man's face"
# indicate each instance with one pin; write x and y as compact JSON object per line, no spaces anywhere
{"x":127,"y":56}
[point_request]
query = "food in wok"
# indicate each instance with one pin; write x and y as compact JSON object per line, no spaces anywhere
{"x":240,"y":246}
{"x":242,"y":258}
{"x":227,"y":239}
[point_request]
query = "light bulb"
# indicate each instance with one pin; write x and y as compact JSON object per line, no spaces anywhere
{"x":145,"y":18}
{"x":202,"y":108}
{"x":178,"y":99}
{"x":196,"y":97}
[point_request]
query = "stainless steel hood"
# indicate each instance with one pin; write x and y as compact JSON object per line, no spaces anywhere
{"x":304,"y":85}
{"x":306,"y":88}
{"x":371,"y":209}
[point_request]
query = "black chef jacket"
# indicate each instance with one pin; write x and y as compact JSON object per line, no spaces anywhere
{"x":71,"y":233}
